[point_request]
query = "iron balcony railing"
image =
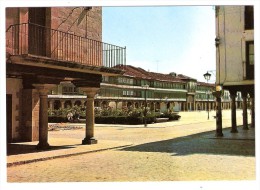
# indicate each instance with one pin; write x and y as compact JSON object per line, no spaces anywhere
{"x":33,"y":39}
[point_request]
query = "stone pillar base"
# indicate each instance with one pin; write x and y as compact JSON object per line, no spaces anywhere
{"x":245,"y":127}
{"x":89,"y":141}
{"x":219,"y":134}
{"x":233,"y":130}
{"x":43,"y":146}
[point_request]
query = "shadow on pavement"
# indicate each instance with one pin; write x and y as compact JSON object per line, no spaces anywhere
{"x":202,"y":143}
{"x":15,"y":149}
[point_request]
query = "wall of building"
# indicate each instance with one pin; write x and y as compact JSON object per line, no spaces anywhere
{"x":68,"y":19}
{"x":231,"y":55}
{"x":65,"y":19}
{"x":84,"y":26}
{"x":30,"y":112}
{"x":12,"y":17}
{"x":76,"y":33}
{"x":14,"y":87}
{"x":123,"y":91}
{"x":25,"y":111}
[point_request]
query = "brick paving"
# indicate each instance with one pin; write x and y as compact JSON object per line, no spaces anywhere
{"x":184,"y":150}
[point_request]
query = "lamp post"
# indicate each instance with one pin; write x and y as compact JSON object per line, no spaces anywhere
{"x":146,"y":86}
{"x":207,"y":92}
{"x":207,"y":77}
{"x":218,"y":94}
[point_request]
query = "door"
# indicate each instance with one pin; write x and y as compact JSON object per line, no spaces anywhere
{"x":37,"y":31}
{"x":9,"y":118}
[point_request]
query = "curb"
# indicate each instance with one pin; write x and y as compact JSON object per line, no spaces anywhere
{"x":61,"y":156}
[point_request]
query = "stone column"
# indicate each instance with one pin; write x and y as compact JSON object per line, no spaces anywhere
{"x":51,"y":105}
{"x":116,"y":104}
{"x":43,"y":90}
{"x":219,"y":132}
{"x":62,"y":103}
{"x":73,"y":103}
{"x":82,"y":102}
{"x":90,"y":118}
{"x":252,"y":98}
{"x":233,"y":112}
{"x":245,"y":121}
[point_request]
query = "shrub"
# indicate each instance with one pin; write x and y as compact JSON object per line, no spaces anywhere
{"x":57,"y":119}
{"x":125,"y":115}
{"x":170,"y":115}
{"x":123,"y":120}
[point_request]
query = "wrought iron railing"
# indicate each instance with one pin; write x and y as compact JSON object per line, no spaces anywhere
{"x":28,"y":38}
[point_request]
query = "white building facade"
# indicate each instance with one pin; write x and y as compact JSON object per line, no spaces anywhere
{"x":235,"y":60}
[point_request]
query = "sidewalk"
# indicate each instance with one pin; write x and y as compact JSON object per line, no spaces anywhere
{"x":241,"y":135}
{"x":22,"y":153}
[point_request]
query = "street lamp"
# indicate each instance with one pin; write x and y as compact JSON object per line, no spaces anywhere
{"x":207,"y":77}
{"x":146,"y":86}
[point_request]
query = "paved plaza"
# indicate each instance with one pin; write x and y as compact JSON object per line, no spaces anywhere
{"x":184,"y":150}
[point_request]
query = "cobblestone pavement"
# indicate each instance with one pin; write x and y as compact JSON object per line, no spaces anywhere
{"x":185,"y":150}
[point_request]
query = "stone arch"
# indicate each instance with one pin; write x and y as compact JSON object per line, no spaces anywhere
{"x":104,"y":104}
{"x":77,"y":103}
{"x":129,"y":104}
{"x":152,"y":106}
{"x":168,"y":105}
{"x":57,"y":104}
{"x":112,"y":104}
{"x":67,"y":104}
{"x":157,"y":106}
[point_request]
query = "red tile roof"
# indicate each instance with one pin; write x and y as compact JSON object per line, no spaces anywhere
{"x":205,"y":84}
{"x":184,"y":77}
{"x":138,"y":72}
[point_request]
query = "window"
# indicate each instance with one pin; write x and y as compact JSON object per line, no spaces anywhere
{"x":249,"y":17}
{"x":105,"y":79}
{"x":251,"y":56}
{"x":125,"y":81}
{"x":68,"y":90}
{"x":137,"y":82}
{"x":128,"y":93}
{"x":250,"y":60}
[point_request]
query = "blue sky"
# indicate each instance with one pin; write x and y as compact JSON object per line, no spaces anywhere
{"x":164,"y":38}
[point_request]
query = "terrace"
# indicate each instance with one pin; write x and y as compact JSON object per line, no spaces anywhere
{"x":29,"y":39}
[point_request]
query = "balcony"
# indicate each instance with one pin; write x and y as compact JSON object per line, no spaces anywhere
{"x":36,"y":40}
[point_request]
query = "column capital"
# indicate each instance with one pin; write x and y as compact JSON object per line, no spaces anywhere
{"x":44,"y":88}
{"x":91,"y":92}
